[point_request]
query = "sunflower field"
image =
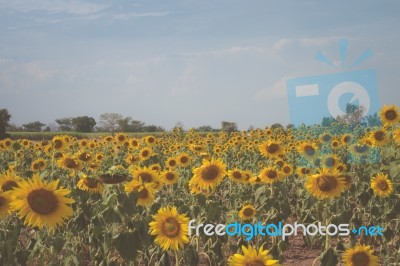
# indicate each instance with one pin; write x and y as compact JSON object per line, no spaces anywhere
{"x":120,"y":200}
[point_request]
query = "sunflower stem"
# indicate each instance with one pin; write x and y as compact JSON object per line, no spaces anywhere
{"x":176,"y":258}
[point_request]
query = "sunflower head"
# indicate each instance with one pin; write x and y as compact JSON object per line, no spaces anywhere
{"x":390,"y":115}
{"x":360,"y":256}
{"x":326,"y":184}
{"x":170,"y":228}
{"x":209,"y":174}
{"x":247,"y":212}
{"x":381,"y":185}
{"x":252,"y":257}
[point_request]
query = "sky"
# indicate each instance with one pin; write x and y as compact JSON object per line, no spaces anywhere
{"x":194,"y":62}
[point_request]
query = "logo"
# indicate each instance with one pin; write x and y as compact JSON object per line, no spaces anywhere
{"x":311,"y":99}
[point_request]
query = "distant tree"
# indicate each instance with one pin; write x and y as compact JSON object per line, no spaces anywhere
{"x":276,"y":125}
{"x":327,"y":121}
{"x":137,"y":126}
{"x":251,"y":128}
{"x":124,"y":124}
{"x":14,"y":128}
{"x":353,"y":115}
{"x":205,"y":129}
{"x":47,"y":129}
{"x":290,"y":126}
{"x":33,"y":126}
{"x":373,"y":120}
{"x":83,"y":123}
{"x":109,"y":121}
{"x":65,"y":124}
{"x":4,"y":122}
{"x":228,"y":126}
{"x":153,"y":128}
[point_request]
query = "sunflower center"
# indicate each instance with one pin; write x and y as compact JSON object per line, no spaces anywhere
{"x":330,"y":162}
{"x":145,"y":153}
{"x":210,"y":172}
{"x":90,"y":182}
{"x":70,"y":163}
{"x":172,"y":163}
{"x":255,"y":263}
{"x":143,"y":194}
{"x":326,"y":138}
{"x":347,"y":139}
{"x":360,"y":259}
{"x":383,"y":185}
{"x":170,"y":176}
{"x":326,"y":183}
{"x":146,"y":177}
{"x":184,"y":159}
{"x":390,"y":115}
{"x":237,"y":175}
{"x":9,"y":185}
{"x":286,"y":169}
{"x":84,"y":156}
{"x":248,"y":212}
{"x":361,"y":148}
{"x":57,"y":144}
{"x":171,"y":227}
{"x":379,"y":135}
{"x":309,"y":150}
{"x":272,"y":174}
{"x":273,"y":148}
{"x":42,"y":201}
{"x":305,"y":171}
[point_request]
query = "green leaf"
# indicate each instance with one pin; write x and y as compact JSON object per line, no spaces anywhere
{"x":127,"y":244}
{"x":329,"y":258}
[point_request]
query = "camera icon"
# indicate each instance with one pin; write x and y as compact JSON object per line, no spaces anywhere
{"x":313,"y":98}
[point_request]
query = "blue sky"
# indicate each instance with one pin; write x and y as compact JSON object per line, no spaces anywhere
{"x":197,"y":62}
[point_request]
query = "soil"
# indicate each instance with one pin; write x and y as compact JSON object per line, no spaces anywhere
{"x":299,"y":254}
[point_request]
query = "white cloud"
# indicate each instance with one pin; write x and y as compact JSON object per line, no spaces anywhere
{"x":275,"y":91}
{"x":75,"y":7}
{"x":129,"y":16}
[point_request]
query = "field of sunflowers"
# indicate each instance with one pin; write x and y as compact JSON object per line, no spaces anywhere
{"x":121,"y":200}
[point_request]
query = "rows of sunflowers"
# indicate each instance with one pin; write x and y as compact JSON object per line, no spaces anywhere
{"x":122,"y":200}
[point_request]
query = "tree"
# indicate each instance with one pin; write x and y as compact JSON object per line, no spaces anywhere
{"x":83,"y":123}
{"x":33,"y":126}
{"x":64,"y":124}
{"x":276,"y":125}
{"x":153,"y":128}
{"x":4,"y":122}
{"x":205,"y":129}
{"x":228,"y":126}
{"x":374,"y":120}
{"x":327,"y":121}
{"x":109,"y":121}
{"x":353,"y":115}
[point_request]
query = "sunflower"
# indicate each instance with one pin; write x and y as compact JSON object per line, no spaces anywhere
{"x":271,"y":149}
{"x":287,"y":170}
{"x":170,"y":177}
{"x":90,"y":184}
{"x":378,"y":137}
{"x":5,"y":200}
{"x":390,"y":115}
{"x":69,"y":162}
{"x":59,"y":143}
{"x":132,"y":159}
{"x":145,"y":154}
{"x":41,"y":203}
{"x":325,"y":184}
{"x":171,"y":162}
{"x":156,"y":167}
{"x":209,"y":174}
{"x":120,"y":137}
{"x":150,"y":140}
{"x":184,"y":159}
{"x":360,"y":150}
{"x":247,"y":212}
{"x":134,"y":143}
{"x":381,"y":185}
{"x":9,"y":180}
{"x":326,"y":138}
{"x":330,"y":161}
{"x":346,"y":139}
{"x":396,"y":135}
{"x":170,"y":228}
{"x":308,"y":150}
{"x":145,"y":195}
{"x":236,"y":175}
{"x":84,"y":156}
{"x":270,"y":175}
{"x":145,"y":175}
{"x":252,"y":257}
{"x":360,"y":255}
{"x":38,"y":165}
